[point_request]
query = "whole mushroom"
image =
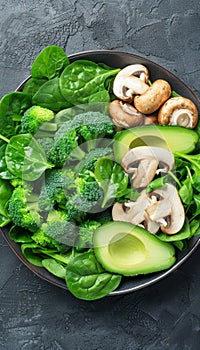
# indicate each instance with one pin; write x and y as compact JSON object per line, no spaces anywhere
{"x":151,"y":100}
{"x":130,"y":81}
{"x":124,"y":115}
{"x":178,"y":111}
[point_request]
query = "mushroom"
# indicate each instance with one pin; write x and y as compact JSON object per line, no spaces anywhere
{"x":150,"y":119}
{"x":168,"y":210}
{"x":153,"y":98}
{"x":144,"y":162}
{"x":125,"y":115}
{"x":160,"y":209}
{"x":178,"y":111}
{"x":128,"y":83}
{"x":133,"y":212}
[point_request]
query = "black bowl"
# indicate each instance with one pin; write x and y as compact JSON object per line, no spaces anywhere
{"x":122,"y":59}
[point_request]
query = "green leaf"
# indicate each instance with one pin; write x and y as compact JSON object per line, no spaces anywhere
{"x":83,"y":78}
{"x":184,"y":233}
{"x":25,"y":158}
{"x":5,"y":194}
{"x":54,"y":267}
{"x":20,"y":235}
{"x":87,"y":280}
{"x":31,"y":256}
{"x":195,"y":227}
{"x":49,"y":63}
{"x":4,"y":220}
{"x":111,"y":178}
{"x":12,"y":106}
{"x":49,"y":96}
{"x":4,"y":172}
{"x":33,"y":85}
{"x":186,"y":192}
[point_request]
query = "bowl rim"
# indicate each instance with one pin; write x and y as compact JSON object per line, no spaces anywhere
{"x":39,"y":271}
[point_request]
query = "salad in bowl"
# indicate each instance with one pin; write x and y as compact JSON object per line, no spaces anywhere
{"x":100,"y":171}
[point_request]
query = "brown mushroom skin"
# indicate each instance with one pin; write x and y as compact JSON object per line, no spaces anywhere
{"x":153,"y":98}
{"x":124,"y":115}
{"x":150,"y":119}
{"x":188,"y":119}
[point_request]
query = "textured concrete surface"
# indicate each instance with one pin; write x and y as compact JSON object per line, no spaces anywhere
{"x":35,"y":315}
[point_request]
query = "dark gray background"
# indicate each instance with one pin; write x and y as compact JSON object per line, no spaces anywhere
{"x":33,"y":313}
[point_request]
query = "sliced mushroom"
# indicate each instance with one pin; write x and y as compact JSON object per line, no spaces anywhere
{"x":178,"y":111}
{"x":133,"y":212}
{"x":160,"y":209}
{"x":127,"y":83}
{"x":153,"y":98}
{"x":145,"y":161}
{"x":174,"y":219}
{"x":125,"y":115}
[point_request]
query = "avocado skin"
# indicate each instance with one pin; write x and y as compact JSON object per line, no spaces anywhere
{"x":174,"y":138}
{"x":146,"y":253}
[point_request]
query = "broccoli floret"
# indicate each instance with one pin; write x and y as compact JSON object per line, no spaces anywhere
{"x":85,"y":235}
{"x":90,"y":159}
{"x":59,"y":185}
{"x":60,"y":228}
{"x":46,"y":143}
{"x":63,"y":148}
{"x":24,"y":211}
{"x":34,"y":117}
{"x":41,"y":238}
{"x":86,"y":197}
{"x":88,"y":187}
{"x":52,"y":191}
{"x":92,"y":126}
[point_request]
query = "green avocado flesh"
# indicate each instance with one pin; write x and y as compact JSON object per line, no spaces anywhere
{"x":130,"y":250}
{"x":174,"y":138}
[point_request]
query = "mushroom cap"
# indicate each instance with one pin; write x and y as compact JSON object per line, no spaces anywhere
{"x":178,"y":111}
{"x":124,"y":114}
{"x":127,"y":82}
{"x":143,"y":162}
{"x":174,"y":220}
{"x":153,"y":98}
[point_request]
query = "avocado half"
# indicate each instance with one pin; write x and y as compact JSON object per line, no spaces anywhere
{"x":174,"y":138}
{"x":130,"y":250}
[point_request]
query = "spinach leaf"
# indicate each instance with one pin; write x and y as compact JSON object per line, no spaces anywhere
{"x":20,"y":235}
{"x":112,"y":179}
{"x":100,"y":96}
{"x":12,"y":107}
{"x":186,"y":192}
{"x":49,"y":96}
{"x":29,"y":251}
{"x":82,"y":79}
{"x":54,"y":267}
{"x":86,"y":279}
{"x":25,"y":158}
{"x":33,"y":85}
{"x":4,"y":172}
{"x":184,"y":233}
{"x":5,"y":194}
{"x":49,"y":63}
{"x":4,"y":220}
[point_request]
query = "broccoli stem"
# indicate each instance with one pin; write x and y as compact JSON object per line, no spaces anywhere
{"x":49,"y":127}
{"x":77,"y":154}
